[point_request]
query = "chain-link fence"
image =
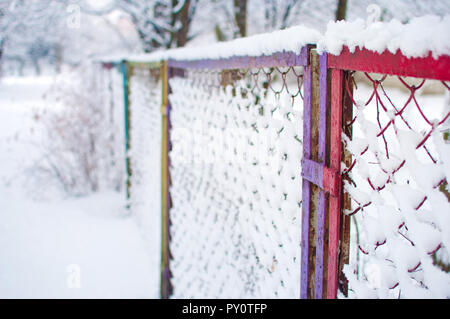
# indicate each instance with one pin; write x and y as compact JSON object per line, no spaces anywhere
{"x":236,"y":140}
{"x":293,"y":175}
{"x":396,"y":181}
{"x":145,"y":136}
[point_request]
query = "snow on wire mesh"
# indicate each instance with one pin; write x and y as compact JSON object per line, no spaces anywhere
{"x":145,"y":157}
{"x":112,"y":95}
{"x":235,"y":167}
{"x":397,"y":182}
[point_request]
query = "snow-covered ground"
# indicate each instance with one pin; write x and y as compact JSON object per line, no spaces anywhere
{"x":60,"y":248}
{"x":90,"y":247}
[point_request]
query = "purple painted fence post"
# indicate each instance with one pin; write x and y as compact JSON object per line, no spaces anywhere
{"x":321,"y":252}
{"x":312,"y":177}
{"x":306,"y":185}
{"x":314,"y":167}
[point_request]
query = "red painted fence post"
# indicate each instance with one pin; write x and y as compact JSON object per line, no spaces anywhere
{"x":335,"y":164}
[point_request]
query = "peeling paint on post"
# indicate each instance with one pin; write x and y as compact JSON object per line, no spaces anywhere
{"x":321,"y":237}
{"x":310,"y":190}
{"x":344,"y":236}
{"x":335,"y":163}
{"x":306,"y":195}
{"x":321,"y":179}
{"x":166,"y":286}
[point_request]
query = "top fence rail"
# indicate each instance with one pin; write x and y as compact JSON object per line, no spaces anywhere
{"x":280,"y":59}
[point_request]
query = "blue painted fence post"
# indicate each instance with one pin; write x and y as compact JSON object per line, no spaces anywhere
{"x":126,"y":101}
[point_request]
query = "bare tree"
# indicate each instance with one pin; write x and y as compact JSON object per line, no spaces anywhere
{"x":23,"y":22}
{"x":277,"y":13}
{"x":159,"y":23}
{"x":341,"y":10}
{"x":244,"y":17}
{"x":240,"y":17}
{"x":184,"y":17}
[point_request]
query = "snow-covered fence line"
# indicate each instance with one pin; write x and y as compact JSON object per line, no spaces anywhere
{"x":267,"y":154}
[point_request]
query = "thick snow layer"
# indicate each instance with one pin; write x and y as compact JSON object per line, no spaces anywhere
{"x":288,"y":40}
{"x":404,"y":216}
{"x":80,"y":248}
{"x":414,"y":39}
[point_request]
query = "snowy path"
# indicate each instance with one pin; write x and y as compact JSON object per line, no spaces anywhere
{"x":45,"y":246}
{"x":76,"y":248}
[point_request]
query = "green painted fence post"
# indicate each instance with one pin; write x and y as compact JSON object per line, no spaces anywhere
{"x":126,"y":73}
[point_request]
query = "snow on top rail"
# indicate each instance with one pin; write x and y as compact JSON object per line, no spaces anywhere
{"x":289,"y":40}
{"x":417,"y":38}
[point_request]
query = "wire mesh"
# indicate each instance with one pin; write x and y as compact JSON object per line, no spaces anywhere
{"x":235,"y":168}
{"x":145,"y":159}
{"x":397,"y":183}
{"x":112,"y":95}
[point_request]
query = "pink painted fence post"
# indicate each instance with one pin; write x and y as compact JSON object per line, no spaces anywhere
{"x":322,"y":219}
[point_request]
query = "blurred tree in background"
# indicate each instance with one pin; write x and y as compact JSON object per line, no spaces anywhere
{"x":35,"y":34}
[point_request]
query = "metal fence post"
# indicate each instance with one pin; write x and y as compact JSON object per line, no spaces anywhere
{"x":346,"y":157}
{"x":166,"y":287}
{"x":322,"y":199}
{"x":311,"y":177}
{"x":306,"y":187}
{"x":322,"y":219}
{"x":338,"y":223}
{"x":126,"y":74}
